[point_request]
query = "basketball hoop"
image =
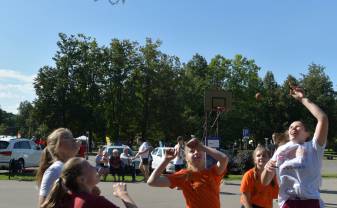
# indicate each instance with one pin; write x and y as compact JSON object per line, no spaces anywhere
{"x":215,"y":100}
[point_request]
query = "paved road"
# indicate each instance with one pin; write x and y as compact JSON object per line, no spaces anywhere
{"x":24,"y":194}
{"x":329,"y":167}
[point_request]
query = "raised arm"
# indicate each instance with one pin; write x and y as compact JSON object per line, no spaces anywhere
{"x":268,"y":172}
{"x":217,"y":155}
{"x":158,"y":180}
{"x":321,"y":131}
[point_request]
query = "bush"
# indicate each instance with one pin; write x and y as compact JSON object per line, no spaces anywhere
{"x":242,"y":162}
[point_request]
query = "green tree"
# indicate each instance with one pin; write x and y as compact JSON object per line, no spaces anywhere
{"x":25,"y":119}
{"x":319,"y":88}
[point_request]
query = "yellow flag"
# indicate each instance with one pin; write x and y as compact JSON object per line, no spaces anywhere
{"x":108,"y":142}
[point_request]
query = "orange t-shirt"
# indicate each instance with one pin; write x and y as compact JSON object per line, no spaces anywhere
{"x":261,"y":195}
{"x":200,"y":189}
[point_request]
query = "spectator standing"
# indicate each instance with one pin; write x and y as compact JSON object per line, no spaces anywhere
{"x":179,"y":160}
{"x":143,"y":153}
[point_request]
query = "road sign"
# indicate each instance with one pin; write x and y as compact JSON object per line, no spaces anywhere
{"x":245,"y":132}
{"x":213,"y":142}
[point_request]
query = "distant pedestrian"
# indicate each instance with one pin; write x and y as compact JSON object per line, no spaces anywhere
{"x":179,"y":160}
{"x":143,"y":153}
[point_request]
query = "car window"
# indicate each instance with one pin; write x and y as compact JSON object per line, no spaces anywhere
{"x":33,"y":145}
{"x":25,"y":145}
{"x":120,"y":150}
{"x":154,"y":152}
{"x":160,"y":152}
{"x":4,"y":144}
{"x":110,"y":151}
{"x":130,"y":152}
{"x":17,"y":145}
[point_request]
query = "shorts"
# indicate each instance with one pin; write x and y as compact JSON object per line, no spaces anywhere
{"x":253,"y":206}
{"x":145,"y":161}
{"x":307,"y":203}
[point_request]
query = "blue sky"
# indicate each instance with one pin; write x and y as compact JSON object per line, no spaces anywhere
{"x":281,"y":36}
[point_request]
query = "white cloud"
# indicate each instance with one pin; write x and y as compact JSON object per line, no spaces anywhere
{"x":15,"y":87}
{"x":11,"y":74}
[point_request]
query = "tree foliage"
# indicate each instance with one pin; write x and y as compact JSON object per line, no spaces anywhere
{"x":125,"y":89}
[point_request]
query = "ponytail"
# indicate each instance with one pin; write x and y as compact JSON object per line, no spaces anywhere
{"x":45,"y":161}
{"x":58,"y":192}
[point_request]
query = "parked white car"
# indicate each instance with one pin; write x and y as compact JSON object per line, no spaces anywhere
{"x":24,"y":150}
{"x":158,"y":154}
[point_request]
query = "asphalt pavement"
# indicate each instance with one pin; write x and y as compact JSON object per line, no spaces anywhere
{"x":24,"y":194}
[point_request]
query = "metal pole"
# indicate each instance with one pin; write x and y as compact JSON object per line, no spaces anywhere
{"x":217,"y":124}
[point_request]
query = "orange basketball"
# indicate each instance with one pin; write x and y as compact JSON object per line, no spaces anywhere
{"x":258,"y":96}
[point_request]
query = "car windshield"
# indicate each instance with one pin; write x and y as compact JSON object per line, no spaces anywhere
{"x":4,"y":144}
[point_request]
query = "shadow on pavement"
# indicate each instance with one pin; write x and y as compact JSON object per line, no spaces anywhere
{"x":227,"y":193}
{"x":232,"y":184}
{"x":328,"y":192}
{"x":330,"y":205}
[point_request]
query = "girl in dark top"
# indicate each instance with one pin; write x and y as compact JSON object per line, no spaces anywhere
{"x":76,"y":188}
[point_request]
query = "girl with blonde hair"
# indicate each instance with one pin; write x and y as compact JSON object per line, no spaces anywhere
{"x":61,"y":146}
{"x":253,"y":193}
{"x":200,"y":186}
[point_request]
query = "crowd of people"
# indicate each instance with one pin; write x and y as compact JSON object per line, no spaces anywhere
{"x":291,"y":174}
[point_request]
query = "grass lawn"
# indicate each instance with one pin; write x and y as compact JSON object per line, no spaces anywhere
{"x":31,"y":177}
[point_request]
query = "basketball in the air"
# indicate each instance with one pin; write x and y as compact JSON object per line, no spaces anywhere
{"x":258,"y":96}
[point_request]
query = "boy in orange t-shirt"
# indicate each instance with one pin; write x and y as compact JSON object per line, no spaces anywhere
{"x":200,"y":186}
{"x":254,"y":194}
